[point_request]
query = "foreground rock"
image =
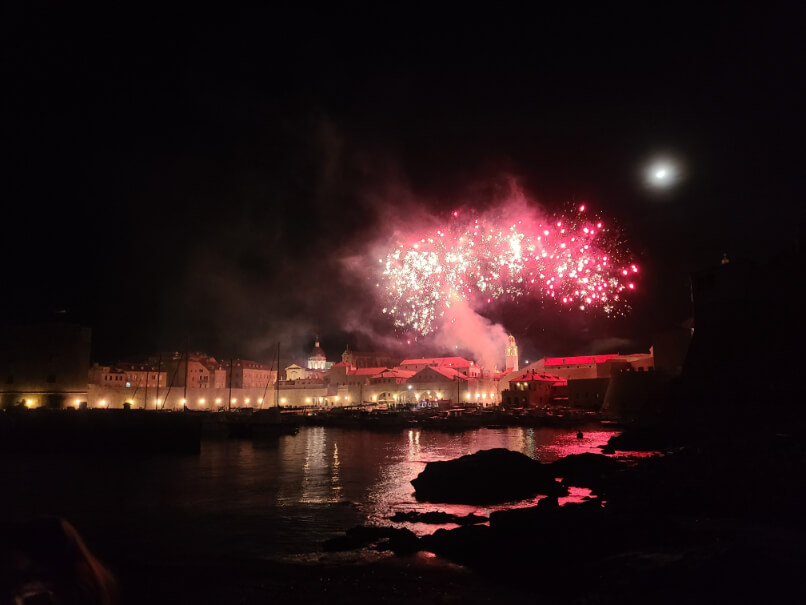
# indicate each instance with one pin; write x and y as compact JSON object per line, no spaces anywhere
{"x":398,"y":540}
{"x":437,"y":518}
{"x":486,"y":477}
{"x":720,"y":522}
{"x":586,"y":470}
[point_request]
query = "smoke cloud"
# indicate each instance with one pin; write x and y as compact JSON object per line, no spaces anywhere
{"x":468,"y":332}
{"x":463,"y":330}
{"x":295,"y":257}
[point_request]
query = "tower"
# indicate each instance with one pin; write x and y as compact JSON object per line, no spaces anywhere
{"x":512,"y":355}
{"x":317,"y":359}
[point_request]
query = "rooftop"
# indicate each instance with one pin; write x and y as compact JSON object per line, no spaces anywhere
{"x":459,"y":362}
{"x":532,"y":375}
{"x":578,"y":360}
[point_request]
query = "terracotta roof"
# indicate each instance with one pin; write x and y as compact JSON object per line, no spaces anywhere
{"x":449,"y":372}
{"x":529,"y":376}
{"x":396,"y":373}
{"x":444,"y":371}
{"x":368,"y":371}
{"x":579,"y":360}
{"x":460,"y":362}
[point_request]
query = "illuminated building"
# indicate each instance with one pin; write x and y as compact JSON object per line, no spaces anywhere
{"x":353,"y":381}
{"x":194,"y":370}
{"x":532,"y":389}
{"x":435,"y":383}
{"x":202,"y":372}
{"x":343,"y":374}
{"x":311,"y":392}
{"x":245,"y":374}
{"x":460,"y":364}
{"x":128,"y":375}
{"x":176,"y":380}
{"x":295,"y":372}
{"x":589,"y":377}
{"x":389,"y":387}
{"x":110,"y":386}
{"x":393,"y":376}
{"x":317,"y":360}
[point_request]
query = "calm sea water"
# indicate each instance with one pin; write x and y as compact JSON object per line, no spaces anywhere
{"x":273,"y":499}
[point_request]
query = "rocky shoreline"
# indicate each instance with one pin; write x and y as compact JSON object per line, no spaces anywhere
{"x":707,"y":521}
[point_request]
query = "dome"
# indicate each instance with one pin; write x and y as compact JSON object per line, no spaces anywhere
{"x":317,"y":352}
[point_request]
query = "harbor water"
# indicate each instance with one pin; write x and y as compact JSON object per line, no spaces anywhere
{"x":272,"y":499}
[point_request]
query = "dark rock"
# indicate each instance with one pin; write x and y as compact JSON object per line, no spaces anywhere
{"x":650,"y":438}
{"x":437,"y":518}
{"x":340,"y":544}
{"x":488,"y":476}
{"x":470,"y":545}
{"x":588,"y":503}
{"x":471,"y":519}
{"x":401,"y":542}
{"x":361,"y":536}
{"x":585,"y":470}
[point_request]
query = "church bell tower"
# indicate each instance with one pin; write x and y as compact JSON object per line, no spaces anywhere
{"x":512,"y":355}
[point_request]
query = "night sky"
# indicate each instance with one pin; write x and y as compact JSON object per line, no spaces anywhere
{"x":189,"y":179}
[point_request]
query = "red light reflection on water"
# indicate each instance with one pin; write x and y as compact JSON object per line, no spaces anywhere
{"x":576,"y":494}
{"x":393,"y":491}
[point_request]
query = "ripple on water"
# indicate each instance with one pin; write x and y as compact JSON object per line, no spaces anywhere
{"x":278,"y":498}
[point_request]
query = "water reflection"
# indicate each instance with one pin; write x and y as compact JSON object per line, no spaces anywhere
{"x":278,"y":498}
{"x":335,"y":487}
{"x":392,"y":492}
{"x":414,"y":445}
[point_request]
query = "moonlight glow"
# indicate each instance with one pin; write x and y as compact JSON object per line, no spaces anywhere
{"x":574,"y":260}
{"x":662,"y":174}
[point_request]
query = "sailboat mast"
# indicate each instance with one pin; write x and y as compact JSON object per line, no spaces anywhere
{"x":148,"y":373}
{"x":170,"y":385}
{"x":229,"y":399}
{"x":187,"y":363}
{"x":159,"y":369}
{"x":277,"y":379}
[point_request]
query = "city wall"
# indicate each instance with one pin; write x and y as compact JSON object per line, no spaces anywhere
{"x":176,"y":397}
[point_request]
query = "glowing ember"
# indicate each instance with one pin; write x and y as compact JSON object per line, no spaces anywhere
{"x":571,"y":259}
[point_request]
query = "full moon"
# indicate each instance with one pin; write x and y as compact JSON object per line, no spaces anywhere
{"x":661,"y":174}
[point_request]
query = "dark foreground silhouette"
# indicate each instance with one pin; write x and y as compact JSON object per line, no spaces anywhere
{"x":712,"y":521}
{"x":44,"y":560}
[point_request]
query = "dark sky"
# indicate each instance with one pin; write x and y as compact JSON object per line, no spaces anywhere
{"x":180,"y":178}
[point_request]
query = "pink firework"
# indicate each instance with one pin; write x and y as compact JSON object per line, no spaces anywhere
{"x":572,"y":259}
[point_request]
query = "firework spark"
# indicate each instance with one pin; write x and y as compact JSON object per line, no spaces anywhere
{"x":572,"y":259}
